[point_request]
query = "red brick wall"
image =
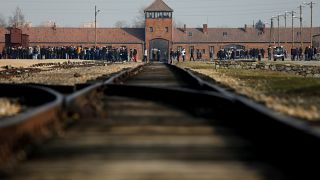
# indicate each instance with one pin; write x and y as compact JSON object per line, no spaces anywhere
{"x":133,"y":38}
{"x":159,"y":30}
{"x":218,"y":46}
{"x":2,"y":38}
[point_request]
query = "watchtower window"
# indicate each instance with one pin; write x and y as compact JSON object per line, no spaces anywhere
{"x":155,"y":15}
{"x":150,"y":15}
{"x":151,"y":29}
{"x":166,"y":15}
{"x":160,"y":14}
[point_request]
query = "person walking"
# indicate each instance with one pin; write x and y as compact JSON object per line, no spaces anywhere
{"x":183,"y":53}
{"x":192,"y":55}
{"x":145,"y":56}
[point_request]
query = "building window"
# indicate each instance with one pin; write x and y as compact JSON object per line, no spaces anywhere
{"x":203,"y":51}
{"x":211,"y":52}
{"x":298,"y":33}
{"x":167,"y":29}
{"x":160,"y":14}
{"x":225,"y":34}
{"x":179,"y":48}
{"x":165,"y":14}
{"x":151,"y":29}
{"x":154,"y":15}
{"x":211,"y":49}
{"x":190,"y":33}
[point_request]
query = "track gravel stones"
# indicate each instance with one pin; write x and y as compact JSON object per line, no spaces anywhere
{"x":66,"y":73}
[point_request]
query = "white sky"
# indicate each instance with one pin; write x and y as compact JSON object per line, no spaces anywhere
{"x":194,"y":13}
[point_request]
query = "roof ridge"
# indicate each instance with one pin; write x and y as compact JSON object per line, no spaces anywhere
{"x":159,"y":5}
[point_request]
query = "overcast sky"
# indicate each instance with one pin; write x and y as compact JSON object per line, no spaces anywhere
{"x":194,"y":13}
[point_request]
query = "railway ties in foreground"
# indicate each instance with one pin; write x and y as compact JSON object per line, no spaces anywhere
{"x":158,"y":127}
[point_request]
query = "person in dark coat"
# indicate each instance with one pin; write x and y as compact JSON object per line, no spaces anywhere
{"x":192,"y":55}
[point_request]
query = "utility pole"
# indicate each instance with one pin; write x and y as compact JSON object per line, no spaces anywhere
{"x":271,"y":26}
{"x":272,"y":30}
{"x":301,"y":43}
{"x":311,"y":7}
{"x":285,"y":26}
{"x":95,"y":25}
{"x":278,"y":18}
{"x":292,"y":28}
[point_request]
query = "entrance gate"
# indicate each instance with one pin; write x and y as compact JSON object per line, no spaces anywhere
{"x":159,"y":50}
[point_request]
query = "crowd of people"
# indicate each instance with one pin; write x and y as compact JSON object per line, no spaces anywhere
{"x":70,"y":52}
{"x":253,"y":53}
{"x":309,"y":53}
{"x":195,"y":54}
{"x":124,"y":54}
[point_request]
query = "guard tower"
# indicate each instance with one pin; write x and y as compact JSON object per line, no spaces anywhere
{"x":158,"y":30}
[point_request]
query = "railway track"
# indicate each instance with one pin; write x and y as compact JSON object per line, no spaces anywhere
{"x":160,"y":122}
{"x":36,"y":122}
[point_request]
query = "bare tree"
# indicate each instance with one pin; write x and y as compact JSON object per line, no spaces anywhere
{"x":260,"y":25}
{"x":3,"y":22}
{"x":178,"y":24}
{"x":139,"y":21}
{"x":18,"y":18}
{"x":121,"y":24}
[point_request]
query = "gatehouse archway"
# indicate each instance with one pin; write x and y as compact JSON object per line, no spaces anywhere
{"x":159,"y":50}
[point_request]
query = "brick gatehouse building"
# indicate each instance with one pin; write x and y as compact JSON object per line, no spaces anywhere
{"x":160,"y":33}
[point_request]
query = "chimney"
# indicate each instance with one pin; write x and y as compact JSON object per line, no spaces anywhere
{"x":205,"y":28}
{"x":245,"y":28}
{"x":185,"y":28}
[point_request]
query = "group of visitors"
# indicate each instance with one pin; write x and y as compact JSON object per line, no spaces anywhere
{"x":253,"y":53}
{"x":310,"y":53}
{"x":70,"y":52}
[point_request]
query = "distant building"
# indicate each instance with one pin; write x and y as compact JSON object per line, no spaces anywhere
{"x":48,"y":24}
{"x":160,"y":34}
{"x":88,"y":25}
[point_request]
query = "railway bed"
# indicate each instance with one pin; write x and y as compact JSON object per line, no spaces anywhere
{"x":159,"y":122}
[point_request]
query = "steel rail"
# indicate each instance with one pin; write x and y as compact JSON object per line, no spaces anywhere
{"x":33,"y":124}
{"x":279,"y":139}
{"x":43,"y":99}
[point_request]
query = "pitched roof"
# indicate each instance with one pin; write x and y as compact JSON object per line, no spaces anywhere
{"x":158,"y":5}
{"x":84,"y":35}
{"x":238,"y":35}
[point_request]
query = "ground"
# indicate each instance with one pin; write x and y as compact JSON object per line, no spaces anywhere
{"x":290,"y":94}
{"x":60,"y":72}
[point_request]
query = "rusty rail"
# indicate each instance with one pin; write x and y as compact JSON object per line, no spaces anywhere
{"x":30,"y":126}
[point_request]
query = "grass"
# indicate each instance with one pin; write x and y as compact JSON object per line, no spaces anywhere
{"x":276,"y":82}
{"x":288,"y":93}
